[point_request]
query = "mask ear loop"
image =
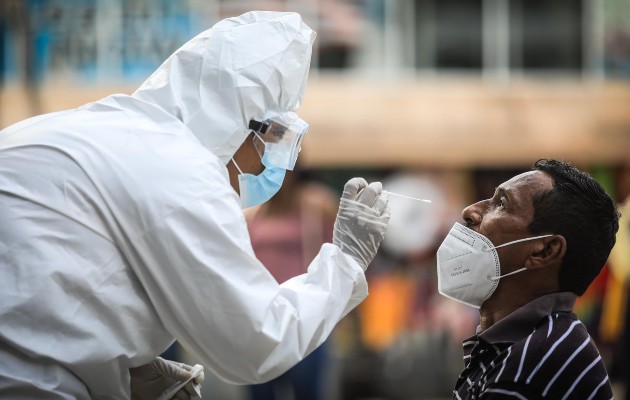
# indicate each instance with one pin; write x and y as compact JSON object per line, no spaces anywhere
{"x":518,"y":241}
{"x":237,"y":167}
{"x":513,"y":242}
{"x":496,"y":278}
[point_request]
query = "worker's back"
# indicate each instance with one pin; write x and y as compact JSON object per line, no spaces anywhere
{"x":76,"y":187}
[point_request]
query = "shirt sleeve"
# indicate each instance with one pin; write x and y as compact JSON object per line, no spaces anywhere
{"x":201,"y":275}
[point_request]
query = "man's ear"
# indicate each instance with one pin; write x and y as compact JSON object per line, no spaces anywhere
{"x":547,"y":252}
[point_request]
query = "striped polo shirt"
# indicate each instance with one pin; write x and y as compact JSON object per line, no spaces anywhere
{"x":540,"y":351}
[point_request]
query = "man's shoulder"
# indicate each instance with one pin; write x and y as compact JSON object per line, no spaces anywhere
{"x":556,"y":337}
{"x":558,"y":354}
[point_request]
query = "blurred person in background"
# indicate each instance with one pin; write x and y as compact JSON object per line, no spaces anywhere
{"x":406,"y":328}
{"x":27,"y":29}
{"x":522,"y":258}
{"x":122,"y":230}
{"x":286,"y":234}
{"x":615,"y":323}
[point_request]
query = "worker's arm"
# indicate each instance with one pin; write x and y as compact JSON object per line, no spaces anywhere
{"x":200,"y":272}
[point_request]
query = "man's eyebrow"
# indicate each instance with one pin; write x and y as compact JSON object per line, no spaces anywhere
{"x":503,"y":193}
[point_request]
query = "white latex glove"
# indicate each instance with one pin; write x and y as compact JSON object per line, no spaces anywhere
{"x":361,"y":220}
{"x":150,"y":380}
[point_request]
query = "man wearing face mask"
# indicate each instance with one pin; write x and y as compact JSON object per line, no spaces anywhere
{"x":522,"y":258}
{"x":121,"y":226}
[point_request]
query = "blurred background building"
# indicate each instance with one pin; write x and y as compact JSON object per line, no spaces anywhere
{"x":438,"y":98}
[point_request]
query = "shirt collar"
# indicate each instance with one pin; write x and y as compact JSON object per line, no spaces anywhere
{"x":520,"y":323}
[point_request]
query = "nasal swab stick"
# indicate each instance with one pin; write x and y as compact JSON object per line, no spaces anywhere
{"x":408,"y":197}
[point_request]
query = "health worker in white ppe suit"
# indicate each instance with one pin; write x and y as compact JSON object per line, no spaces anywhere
{"x":122,"y":230}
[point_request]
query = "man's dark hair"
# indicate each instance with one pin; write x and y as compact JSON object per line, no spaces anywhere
{"x":579,"y":209}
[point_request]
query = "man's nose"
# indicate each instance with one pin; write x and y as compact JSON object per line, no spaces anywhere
{"x":473,"y":214}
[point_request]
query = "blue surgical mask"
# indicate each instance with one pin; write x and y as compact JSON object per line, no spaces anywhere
{"x":257,"y":189}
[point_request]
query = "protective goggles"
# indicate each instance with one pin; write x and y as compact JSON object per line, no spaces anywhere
{"x":282,"y":136}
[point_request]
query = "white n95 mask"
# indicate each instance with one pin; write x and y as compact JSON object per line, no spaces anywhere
{"x":468,"y":265}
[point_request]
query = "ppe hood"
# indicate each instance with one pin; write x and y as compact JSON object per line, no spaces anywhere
{"x":243,"y":67}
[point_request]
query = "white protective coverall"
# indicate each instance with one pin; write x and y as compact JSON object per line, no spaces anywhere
{"x":120,"y":232}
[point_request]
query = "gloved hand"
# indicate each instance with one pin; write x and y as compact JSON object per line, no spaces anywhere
{"x":150,"y":380}
{"x":362,"y":220}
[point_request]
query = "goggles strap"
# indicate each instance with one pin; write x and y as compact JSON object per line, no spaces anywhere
{"x":257,"y":126}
